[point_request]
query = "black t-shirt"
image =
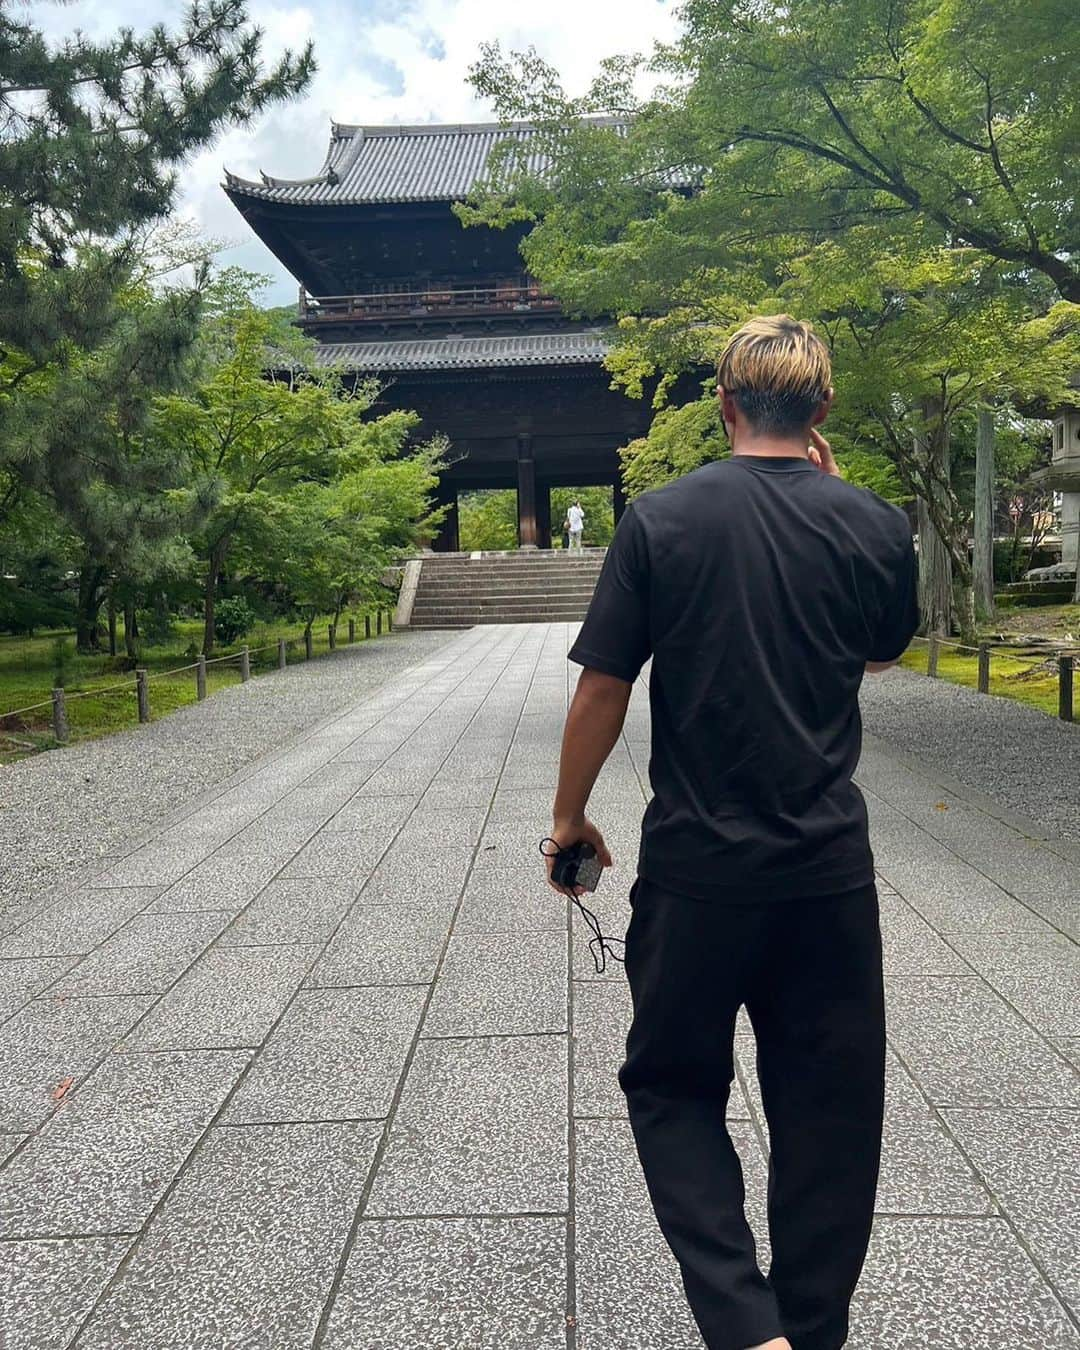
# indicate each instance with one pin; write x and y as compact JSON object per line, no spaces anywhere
{"x":760,"y":588}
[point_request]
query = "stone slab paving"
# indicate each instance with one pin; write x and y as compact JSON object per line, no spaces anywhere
{"x":320,"y":1062}
{"x":62,"y":814}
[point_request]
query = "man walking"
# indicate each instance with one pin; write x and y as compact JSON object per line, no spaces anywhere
{"x":576,"y":517}
{"x":762,"y":587}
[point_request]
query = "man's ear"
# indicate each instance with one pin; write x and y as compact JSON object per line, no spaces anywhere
{"x":822,"y":409}
{"x":728,"y":408}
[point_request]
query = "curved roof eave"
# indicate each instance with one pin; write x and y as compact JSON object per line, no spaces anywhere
{"x":368,"y":165}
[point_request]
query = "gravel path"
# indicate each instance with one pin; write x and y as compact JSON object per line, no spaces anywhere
{"x":1023,"y":759}
{"x":61,"y":812}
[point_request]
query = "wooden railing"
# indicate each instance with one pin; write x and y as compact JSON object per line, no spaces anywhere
{"x":510,"y":296}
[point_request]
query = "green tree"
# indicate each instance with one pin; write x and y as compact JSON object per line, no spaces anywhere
{"x":94,"y":134}
{"x":330,"y":543}
{"x":247,"y":438}
{"x":37,"y":555}
{"x":487,"y":520}
{"x":264,"y":432}
{"x":113,"y":489}
{"x":598,"y":508}
{"x":879,"y":170}
{"x":921,"y":338}
{"x":802,"y":119}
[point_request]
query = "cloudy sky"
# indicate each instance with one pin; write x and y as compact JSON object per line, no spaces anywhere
{"x":379,"y":61}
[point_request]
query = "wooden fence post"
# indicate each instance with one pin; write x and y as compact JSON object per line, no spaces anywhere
{"x":367,"y":625}
{"x":59,"y":716}
{"x":307,"y":643}
{"x":1065,"y":688}
{"x":352,"y":630}
{"x":245,"y":663}
{"x":932,"y":656}
{"x":984,"y":667}
{"x":142,"y":694}
{"x":332,"y":634}
{"x":200,"y":677}
{"x":281,"y":657}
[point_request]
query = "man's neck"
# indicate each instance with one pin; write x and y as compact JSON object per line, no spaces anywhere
{"x":769,"y":447}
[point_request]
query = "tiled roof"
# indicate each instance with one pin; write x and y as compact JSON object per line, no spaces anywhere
{"x":467,"y":353}
{"x":428,"y":163}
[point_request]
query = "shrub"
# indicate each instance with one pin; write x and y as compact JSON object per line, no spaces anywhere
{"x":156,"y":624}
{"x":233,"y":618}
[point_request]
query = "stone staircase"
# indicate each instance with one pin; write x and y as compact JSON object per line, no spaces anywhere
{"x":459,"y":590}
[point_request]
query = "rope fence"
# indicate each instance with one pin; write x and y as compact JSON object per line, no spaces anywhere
{"x":140,"y":683}
{"x":984,"y":652}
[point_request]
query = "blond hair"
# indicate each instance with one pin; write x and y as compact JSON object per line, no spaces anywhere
{"x":778,"y":371}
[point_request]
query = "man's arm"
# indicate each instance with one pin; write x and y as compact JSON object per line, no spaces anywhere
{"x":593,"y":726}
{"x":899,"y":618}
{"x":612,"y":646}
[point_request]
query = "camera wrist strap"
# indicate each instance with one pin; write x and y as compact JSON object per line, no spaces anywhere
{"x":600,"y":946}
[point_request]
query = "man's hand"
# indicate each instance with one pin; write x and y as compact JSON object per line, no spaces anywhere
{"x":566,"y":833}
{"x":821,"y":454}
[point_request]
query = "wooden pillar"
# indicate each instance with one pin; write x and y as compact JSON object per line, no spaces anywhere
{"x":526,"y":495}
{"x":447,"y":540}
{"x":543,"y":515}
{"x":142,"y":694}
{"x":59,"y":717}
{"x":618,"y":498}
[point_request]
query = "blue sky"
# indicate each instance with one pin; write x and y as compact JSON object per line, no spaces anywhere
{"x":379,"y":61}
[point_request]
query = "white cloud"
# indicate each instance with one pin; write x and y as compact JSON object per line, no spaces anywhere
{"x":379,"y":61}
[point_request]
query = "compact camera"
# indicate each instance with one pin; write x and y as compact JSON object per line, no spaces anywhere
{"x":577,"y":866}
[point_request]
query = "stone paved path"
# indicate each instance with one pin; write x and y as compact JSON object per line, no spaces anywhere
{"x":324,"y":1064}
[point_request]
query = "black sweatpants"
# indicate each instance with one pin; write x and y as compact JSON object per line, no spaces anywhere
{"x":809,"y":973}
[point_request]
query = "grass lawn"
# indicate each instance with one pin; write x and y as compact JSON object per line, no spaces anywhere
{"x":1020,"y":678}
{"x":28,"y":674}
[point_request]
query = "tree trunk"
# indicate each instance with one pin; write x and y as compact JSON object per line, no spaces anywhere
{"x":1015,"y":553}
{"x":215,"y":563}
{"x":984,"y":516}
{"x":964,"y":609}
{"x":131,"y":631}
{"x":935,"y":562}
{"x":112,"y":621}
{"x":89,"y":606}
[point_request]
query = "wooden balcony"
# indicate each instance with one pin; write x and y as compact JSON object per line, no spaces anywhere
{"x":436,"y":300}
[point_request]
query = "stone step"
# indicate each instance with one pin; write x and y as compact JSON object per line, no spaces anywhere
{"x":455,"y":591}
{"x":469,"y":614}
{"x":524,"y":555}
{"x":586,"y":567}
{"x":495,"y":589}
{"x":500,"y":602}
{"x":476,"y":620}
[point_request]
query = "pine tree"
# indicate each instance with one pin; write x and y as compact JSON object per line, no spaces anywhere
{"x":93,"y":135}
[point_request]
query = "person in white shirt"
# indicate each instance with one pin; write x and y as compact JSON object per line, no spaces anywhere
{"x":576,"y":517}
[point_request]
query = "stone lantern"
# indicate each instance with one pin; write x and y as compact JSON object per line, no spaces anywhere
{"x":1063,"y":475}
